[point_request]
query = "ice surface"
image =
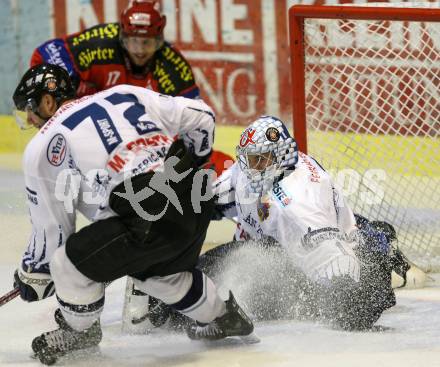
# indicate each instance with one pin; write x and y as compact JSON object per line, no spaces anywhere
{"x":412,"y":340}
{"x":411,"y":336}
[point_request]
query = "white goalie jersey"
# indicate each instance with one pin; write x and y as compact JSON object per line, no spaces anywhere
{"x":304,"y":212}
{"x":91,"y":145}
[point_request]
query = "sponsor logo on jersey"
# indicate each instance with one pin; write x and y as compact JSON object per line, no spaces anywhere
{"x":108,"y":132}
{"x":314,"y":177}
{"x":172,"y":72}
{"x":32,"y":196}
{"x":102,"y":31}
{"x":56,"y":150}
{"x":160,"y":144}
{"x":180,"y":64}
{"x":281,"y":196}
{"x":163,"y":78}
{"x":250,"y":220}
{"x":55,"y":55}
{"x":246,"y":137}
{"x":87,"y":56}
{"x":313,"y":239}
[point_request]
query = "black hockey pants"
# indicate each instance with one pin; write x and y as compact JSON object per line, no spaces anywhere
{"x":130,"y":245}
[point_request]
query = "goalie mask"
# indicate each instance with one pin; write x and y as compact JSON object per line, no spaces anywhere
{"x":266,"y":152}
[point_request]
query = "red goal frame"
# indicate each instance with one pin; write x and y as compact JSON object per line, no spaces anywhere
{"x":297,"y":14}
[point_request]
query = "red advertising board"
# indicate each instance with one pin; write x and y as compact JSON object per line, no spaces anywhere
{"x":237,"y":48}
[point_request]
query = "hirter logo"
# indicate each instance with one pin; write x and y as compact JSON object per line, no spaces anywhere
{"x":56,"y":151}
{"x":246,"y":138}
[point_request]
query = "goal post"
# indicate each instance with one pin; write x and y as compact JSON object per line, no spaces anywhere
{"x":366,"y":104}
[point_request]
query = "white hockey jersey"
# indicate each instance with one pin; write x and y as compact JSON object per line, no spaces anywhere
{"x":304,"y":212}
{"x":91,"y":145}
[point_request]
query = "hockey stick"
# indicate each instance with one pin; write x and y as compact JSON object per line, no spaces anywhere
{"x":16,"y":292}
{"x":9,"y":296}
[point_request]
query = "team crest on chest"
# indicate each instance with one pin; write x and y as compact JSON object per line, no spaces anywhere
{"x":263,"y":210}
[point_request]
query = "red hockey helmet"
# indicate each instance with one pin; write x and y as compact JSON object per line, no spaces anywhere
{"x":142,"y":19}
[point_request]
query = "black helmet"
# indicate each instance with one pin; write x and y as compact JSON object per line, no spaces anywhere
{"x":41,"y":79}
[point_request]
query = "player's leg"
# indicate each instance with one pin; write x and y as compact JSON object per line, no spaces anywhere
{"x":81,"y":301}
{"x":102,"y":251}
{"x":194,"y":295}
{"x":143,"y":312}
{"x":181,"y":237}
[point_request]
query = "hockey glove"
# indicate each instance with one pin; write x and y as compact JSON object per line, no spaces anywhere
{"x":33,"y":286}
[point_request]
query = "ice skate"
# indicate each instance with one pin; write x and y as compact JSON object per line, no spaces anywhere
{"x":48,"y":347}
{"x":233,"y":323}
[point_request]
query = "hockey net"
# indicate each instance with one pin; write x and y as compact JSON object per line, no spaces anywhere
{"x":366,"y":104}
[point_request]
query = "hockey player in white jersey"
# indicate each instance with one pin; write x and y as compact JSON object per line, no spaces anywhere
{"x":128,"y":159}
{"x":287,"y":201}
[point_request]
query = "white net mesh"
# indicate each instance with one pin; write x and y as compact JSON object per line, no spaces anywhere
{"x":373,"y":120}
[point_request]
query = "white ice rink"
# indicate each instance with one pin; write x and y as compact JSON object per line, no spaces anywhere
{"x":411,"y":336}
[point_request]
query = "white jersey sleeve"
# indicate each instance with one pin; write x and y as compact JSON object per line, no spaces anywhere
{"x":192,"y":120}
{"x":51,"y":200}
{"x":197,"y":126}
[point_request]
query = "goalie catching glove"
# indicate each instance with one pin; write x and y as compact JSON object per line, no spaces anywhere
{"x":33,"y":286}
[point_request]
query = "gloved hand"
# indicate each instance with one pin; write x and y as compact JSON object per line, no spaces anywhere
{"x":33,"y":286}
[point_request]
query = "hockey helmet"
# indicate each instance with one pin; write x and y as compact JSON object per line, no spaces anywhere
{"x":142,"y":19}
{"x":39,"y":80}
{"x":265,"y":152}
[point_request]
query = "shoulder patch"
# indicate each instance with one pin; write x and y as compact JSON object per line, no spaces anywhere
{"x":56,"y":150}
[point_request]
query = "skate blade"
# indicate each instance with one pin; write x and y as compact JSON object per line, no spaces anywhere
{"x":250,"y":339}
{"x":76,"y":355}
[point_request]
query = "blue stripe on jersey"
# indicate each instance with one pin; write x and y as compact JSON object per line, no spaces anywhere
{"x":102,"y":121}
{"x":203,"y":111}
{"x":193,"y":93}
{"x":134,"y":112}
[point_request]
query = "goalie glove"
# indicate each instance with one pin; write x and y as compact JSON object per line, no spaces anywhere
{"x":33,"y":286}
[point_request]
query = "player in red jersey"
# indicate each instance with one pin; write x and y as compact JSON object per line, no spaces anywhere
{"x":132,"y":51}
